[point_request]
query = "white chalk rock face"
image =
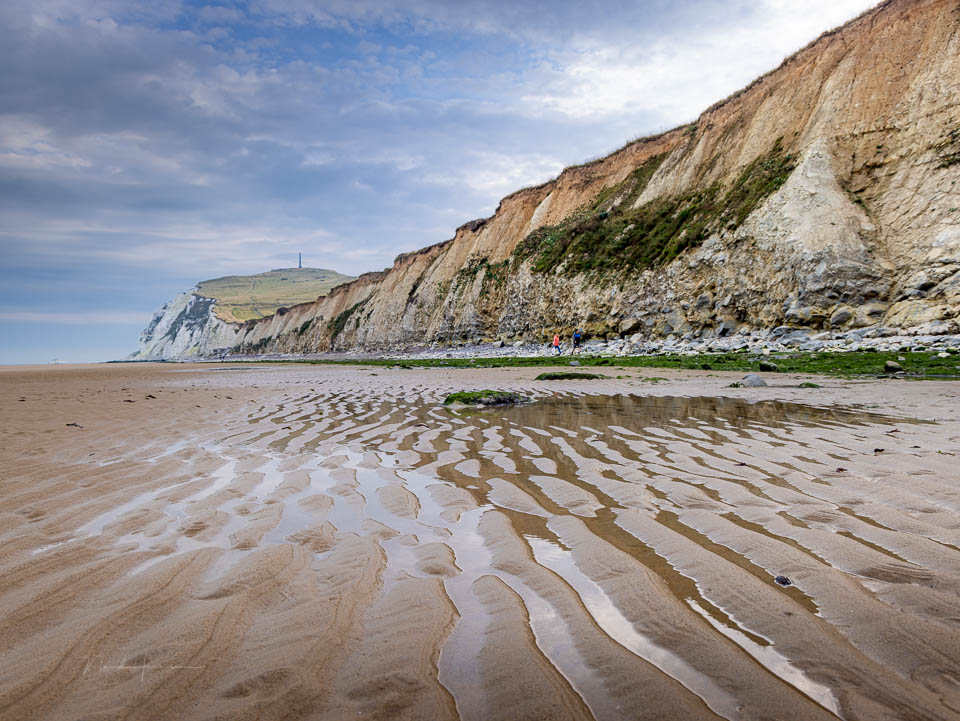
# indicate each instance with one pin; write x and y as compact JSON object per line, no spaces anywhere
{"x":186,"y":327}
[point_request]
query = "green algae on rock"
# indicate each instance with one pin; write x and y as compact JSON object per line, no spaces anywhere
{"x":485,"y":397}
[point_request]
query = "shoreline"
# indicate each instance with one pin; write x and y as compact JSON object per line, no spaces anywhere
{"x":780,"y":342}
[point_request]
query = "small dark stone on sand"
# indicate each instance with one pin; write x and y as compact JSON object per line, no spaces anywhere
{"x":878,"y":450}
{"x":782,"y":581}
{"x":841,"y":470}
{"x":74,"y":425}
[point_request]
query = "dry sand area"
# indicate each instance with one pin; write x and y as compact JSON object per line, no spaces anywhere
{"x":307,"y":542}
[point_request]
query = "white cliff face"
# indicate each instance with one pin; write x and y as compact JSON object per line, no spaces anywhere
{"x":186,"y":327}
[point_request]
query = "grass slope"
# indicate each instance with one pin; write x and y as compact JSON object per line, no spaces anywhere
{"x":245,"y":297}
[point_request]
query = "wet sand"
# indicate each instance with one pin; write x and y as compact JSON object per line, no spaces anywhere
{"x":283,"y":542}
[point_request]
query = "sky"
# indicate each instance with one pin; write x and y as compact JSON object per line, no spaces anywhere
{"x":146,"y":146}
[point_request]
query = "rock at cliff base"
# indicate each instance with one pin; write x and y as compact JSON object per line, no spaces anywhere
{"x":752,"y":380}
{"x":892,"y":367}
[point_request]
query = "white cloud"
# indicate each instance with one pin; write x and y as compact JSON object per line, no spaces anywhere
{"x":682,"y":74}
{"x":494,"y":174}
{"x":93,"y":317}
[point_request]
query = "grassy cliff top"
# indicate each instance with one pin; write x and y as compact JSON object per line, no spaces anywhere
{"x":243,"y":297}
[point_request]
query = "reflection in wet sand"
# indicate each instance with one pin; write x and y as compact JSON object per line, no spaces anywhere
{"x":605,"y":556}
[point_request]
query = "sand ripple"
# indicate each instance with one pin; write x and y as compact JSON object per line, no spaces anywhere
{"x":330,"y":543}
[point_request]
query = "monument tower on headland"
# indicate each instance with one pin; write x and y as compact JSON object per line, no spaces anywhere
{"x":299,"y":260}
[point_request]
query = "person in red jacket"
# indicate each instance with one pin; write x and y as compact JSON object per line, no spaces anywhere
{"x":556,"y":343}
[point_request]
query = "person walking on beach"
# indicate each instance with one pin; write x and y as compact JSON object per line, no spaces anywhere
{"x":556,"y":342}
{"x":576,"y":342}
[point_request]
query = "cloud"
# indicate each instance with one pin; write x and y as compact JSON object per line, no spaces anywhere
{"x":103,"y":317}
{"x":679,"y":80}
{"x":497,"y":174}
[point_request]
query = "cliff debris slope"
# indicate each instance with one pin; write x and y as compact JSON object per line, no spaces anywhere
{"x":211,"y":315}
{"x":823,"y":196}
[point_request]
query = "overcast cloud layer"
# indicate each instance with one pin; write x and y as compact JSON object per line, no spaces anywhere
{"x":148,"y":146}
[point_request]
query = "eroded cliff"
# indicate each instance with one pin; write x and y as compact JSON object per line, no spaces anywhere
{"x":824,"y":195}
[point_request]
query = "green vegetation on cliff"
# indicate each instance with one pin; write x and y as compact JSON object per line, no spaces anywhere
{"x":613,"y":235}
{"x":247,"y":297}
{"x":336,"y":325}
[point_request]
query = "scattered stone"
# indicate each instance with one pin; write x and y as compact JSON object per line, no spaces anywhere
{"x":752,"y":380}
{"x":782,"y":581}
{"x":841,"y":470}
{"x":769,"y":367}
{"x":567,"y":375}
{"x":74,"y":425}
{"x":878,"y":450}
{"x":892,"y":367}
{"x":574,"y":363}
{"x":841,"y":316}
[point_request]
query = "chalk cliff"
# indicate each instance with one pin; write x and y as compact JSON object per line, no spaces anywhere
{"x":825,"y":195}
{"x":212,"y":315}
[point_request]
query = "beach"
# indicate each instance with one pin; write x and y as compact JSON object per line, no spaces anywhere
{"x":252,"y":541}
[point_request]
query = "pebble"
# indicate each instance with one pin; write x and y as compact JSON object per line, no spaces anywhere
{"x":762,"y":343}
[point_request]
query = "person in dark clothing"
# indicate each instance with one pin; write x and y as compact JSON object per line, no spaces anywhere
{"x":577,"y":338}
